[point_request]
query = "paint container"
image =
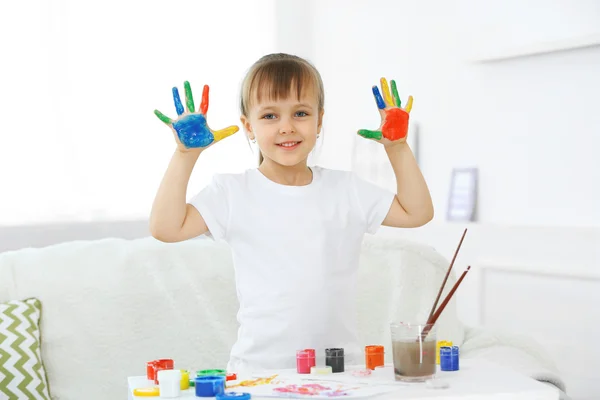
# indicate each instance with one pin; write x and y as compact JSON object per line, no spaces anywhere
{"x":374,"y":356}
{"x":169,"y":383}
{"x":147,"y":392}
{"x":150,"y":370}
{"x":234,"y":396}
{"x":449,"y":360}
{"x":446,"y":358}
{"x":305,"y":359}
{"x":230,"y":377}
{"x":211,"y":372}
{"x":320,"y":370}
{"x":209,"y":386}
{"x":152,"y":367}
{"x":455,"y":358}
{"x":185,"y":379}
{"x":335,"y":359}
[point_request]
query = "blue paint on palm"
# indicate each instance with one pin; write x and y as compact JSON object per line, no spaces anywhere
{"x":193,"y":131}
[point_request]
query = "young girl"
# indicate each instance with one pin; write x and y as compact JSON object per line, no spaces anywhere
{"x":295,"y":231}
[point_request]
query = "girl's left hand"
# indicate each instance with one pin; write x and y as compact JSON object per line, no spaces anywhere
{"x":394,"y":119}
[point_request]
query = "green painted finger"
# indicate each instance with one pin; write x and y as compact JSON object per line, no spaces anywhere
{"x":395,"y":94}
{"x":189,"y":99}
{"x":162,"y":117}
{"x":367,"y":134}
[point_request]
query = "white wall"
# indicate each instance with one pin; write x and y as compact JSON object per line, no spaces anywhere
{"x":79,"y":83}
{"x":530,"y":125}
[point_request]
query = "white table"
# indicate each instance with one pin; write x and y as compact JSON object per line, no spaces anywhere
{"x":476,"y":379}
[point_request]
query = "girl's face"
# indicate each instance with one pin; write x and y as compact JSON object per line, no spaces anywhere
{"x":285,"y":129}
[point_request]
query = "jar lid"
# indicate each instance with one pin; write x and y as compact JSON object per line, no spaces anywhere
{"x":374,"y":349}
{"x":334,"y":352}
{"x":233,"y":395}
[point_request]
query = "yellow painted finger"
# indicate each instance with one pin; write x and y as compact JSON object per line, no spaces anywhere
{"x":223,"y":133}
{"x":409,"y":104}
{"x":387,"y":96}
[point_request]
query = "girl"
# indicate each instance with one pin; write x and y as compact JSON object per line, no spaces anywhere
{"x":295,"y":231}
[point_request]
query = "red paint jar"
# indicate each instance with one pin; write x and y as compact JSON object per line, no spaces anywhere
{"x":305,"y":359}
{"x":374,"y":356}
{"x":150,"y":374}
{"x":159,"y":365}
{"x":231,"y":377}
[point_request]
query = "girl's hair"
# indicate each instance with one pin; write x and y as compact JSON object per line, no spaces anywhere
{"x":276,"y":76}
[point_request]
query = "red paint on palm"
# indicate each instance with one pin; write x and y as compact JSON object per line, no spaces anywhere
{"x":395,"y":126}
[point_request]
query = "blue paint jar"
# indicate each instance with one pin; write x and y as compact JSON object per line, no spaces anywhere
{"x":455,"y":358}
{"x":234,"y":396}
{"x":446,"y":358}
{"x":209,"y":386}
{"x":449,"y":358}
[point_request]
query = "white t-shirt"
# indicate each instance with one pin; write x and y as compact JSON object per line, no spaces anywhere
{"x":296,"y":251}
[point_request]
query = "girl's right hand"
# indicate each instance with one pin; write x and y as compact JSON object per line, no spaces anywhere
{"x":190,"y":129}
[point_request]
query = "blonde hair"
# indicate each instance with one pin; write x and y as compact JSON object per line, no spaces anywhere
{"x":276,"y":76}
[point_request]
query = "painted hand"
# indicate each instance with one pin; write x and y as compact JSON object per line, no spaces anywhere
{"x":394,"y":119}
{"x":190,"y":128}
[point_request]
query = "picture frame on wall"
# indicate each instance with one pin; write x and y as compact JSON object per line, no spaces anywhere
{"x":462,"y":200}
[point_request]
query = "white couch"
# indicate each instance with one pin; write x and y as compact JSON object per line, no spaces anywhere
{"x":111,"y":305}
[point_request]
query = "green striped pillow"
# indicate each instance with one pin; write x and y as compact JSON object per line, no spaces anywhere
{"x":22,"y":374}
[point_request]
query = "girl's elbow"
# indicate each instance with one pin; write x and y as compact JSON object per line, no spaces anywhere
{"x":427,"y":216}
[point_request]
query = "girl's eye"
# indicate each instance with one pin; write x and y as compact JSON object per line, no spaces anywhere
{"x":301,"y":114}
{"x":269,"y":116}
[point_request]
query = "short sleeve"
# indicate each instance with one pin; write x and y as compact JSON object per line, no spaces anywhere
{"x":373,"y":200}
{"x":212,"y":203}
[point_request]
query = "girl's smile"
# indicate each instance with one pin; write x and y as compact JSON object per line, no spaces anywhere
{"x":289,"y":145}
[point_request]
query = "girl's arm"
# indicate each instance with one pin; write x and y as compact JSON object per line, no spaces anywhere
{"x":172,"y":219}
{"x":412,"y":206}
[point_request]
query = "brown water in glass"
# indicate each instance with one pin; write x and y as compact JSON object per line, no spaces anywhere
{"x":413,"y":361}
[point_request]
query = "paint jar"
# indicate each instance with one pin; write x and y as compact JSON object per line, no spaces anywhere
{"x":234,"y":396}
{"x":305,"y":359}
{"x":413,"y":348}
{"x":209,"y":386}
{"x":232,"y":376}
{"x":335,"y":359}
{"x":449,"y":360}
{"x":169,"y":383}
{"x":185,"y":379}
{"x":152,"y":367}
{"x":211,"y":372}
{"x":374,"y":356}
{"x":320,"y":370}
{"x":150,"y":370}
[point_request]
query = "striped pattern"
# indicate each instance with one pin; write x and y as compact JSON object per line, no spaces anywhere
{"x":22,"y":374}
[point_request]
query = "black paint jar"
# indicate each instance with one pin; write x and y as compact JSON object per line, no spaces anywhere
{"x":334,"y":358}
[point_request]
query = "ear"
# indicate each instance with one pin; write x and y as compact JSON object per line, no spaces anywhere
{"x":320,"y":121}
{"x":247,"y":127}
